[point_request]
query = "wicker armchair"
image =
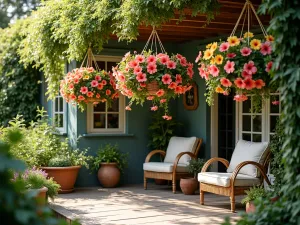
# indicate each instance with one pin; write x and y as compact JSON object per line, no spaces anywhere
{"x":176,"y":158}
{"x":241,"y":173}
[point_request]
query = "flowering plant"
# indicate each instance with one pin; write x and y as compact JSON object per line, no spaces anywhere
{"x":240,"y":63}
{"x":172,"y":76}
{"x":86,"y":84}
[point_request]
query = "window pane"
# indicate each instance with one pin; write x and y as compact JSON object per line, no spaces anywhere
{"x":110,"y":65}
{"x":257,"y":123}
{"x":273,"y":121}
{"x":56,"y":104}
{"x":246,"y":123}
{"x":99,"y":120}
{"x":256,"y":137}
{"x":247,"y":106}
{"x":61,"y":104}
{"x":114,"y":106}
{"x":58,"y":120}
{"x":223,"y":122}
{"x":247,"y":137}
{"x":100,"y":107}
{"x":274,"y":108}
{"x":101,"y":65}
{"x":112,"y":120}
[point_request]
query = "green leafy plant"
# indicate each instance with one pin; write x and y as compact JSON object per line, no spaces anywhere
{"x":195,"y":166}
{"x":59,"y":162}
{"x":110,"y":154}
{"x":253,"y":194}
{"x":161,"y":131}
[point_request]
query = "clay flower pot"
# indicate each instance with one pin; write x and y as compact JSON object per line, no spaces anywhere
{"x":41,"y":197}
{"x":64,"y":176}
{"x":250,"y":207}
{"x":189,"y":185}
{"x":109,"y":175}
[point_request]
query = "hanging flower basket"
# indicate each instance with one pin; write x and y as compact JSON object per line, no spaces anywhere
{"x":88,"y":85}
{"x":154,"y":77}
{"x":242,"y":64}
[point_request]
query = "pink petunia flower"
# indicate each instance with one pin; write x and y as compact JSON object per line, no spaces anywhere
{"x":154,"y":108}
{"x":178,"y":79}
{"x":133,"y":63}
{"x":160,"y":92}
{"x":229,"y":67}
{"x":171,"y":64}
{"x":246,"y":75}
{"x":128,"y":108}
{"x":166,"y":79}
{"x":150,"y":98}
{"x":163,"y":101}
{"x":249,"y":84}
{"x":94,"y":83}
{"x":173,"y":85}
{"x":166,"y":117}
{"x":246,"y":51}
{"x":239,"y":83}
{"x":275,"y":103}
{"x":97,"y":78}
{"x":100,"y":86}
{"x":224,"y":47}
{"x":202,"y":72}
{"x":190,"y":72}
{"x":151,"y":68}
{"x":164,"y":59}
{"x":140,"y":58}
{"x":104,"y":82}
{"x":269,"y":66}
{"x":198,"y":57}
{"x":121,"y":77}
{"x":225,"y":82}
{"x":266,"y":48}
{"x":240,"y":98}
{"x":97,"y":95}
{"x":143,"y":85}
{"x":231,"y":55}
{"x":141,"y":77}
{"x":81,"y":98}
{"x":213,"y":70}
{"x":183,"y":61}
{"x":108,"y":92}
{"x":178,"y":56}
{"x":151,"y":59}
{"x":226,"y":93}
{"x":250,"y":68}
{"x":137,"y":70}
{"x":72,"y":96}
{"x":178,"y":90}
{"x":71,"y":86}
{"x":259,"y":84}
{"x":90,"y":94}
{"x":76,"y":80}
{"x":84,"y":90}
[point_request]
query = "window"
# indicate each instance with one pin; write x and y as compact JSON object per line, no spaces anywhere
{"x":258,"y":126}
{"x":59,"y":115}
{"x":103,"y":118}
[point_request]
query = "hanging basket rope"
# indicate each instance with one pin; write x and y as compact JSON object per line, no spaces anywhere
{"x":154,"y":39}
{"x":90,"y":58}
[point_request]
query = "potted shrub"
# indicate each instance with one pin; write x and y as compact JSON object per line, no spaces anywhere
{"x":109,"y":162}
{"x":36,"y":180}
{"x":190,"y":184}
{"x":253,"y":194}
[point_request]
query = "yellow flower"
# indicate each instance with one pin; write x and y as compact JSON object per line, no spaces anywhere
{"x":219,"y":90}
{"x":214,"y":46}
{"x":219,"y":59}
{"x":248,"y":34}
{"x":212,"y":61}
{"x":255,"y":44}
{"x":208,"y":46}
{"x":208,"y":54}
{"x":269,"y":38}
{"x":233,"y":41}
{"x":86,"y":77}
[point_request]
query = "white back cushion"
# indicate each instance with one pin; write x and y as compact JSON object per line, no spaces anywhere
{"x":248,"y":151}
{"x":178,"y":145}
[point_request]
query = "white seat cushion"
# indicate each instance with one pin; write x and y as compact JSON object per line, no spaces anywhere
{"x":223,"y":179}
{"x":164,"y":167}
{"x":178,"y":145}
{"x":248,"y":151}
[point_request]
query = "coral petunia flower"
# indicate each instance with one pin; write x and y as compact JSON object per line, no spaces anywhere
{"x":190,"y":72}
{"x":229,"y":67}
{"x":239,"y":83}
{"x":133,"y":63}
{"x":143,"y":85}
{"x":94,"y":83}
{"x":154,"y":108}
{"x":150,"y":98}
{"x":240,"y":98}
{"x":81,"y":98}
{"x":249,"y":84}
{"x":128,"y":108}
{"x":166,"y":117}
{"x":151,"y":59}
{"x":259,"y":84}
{"x":246,"y":75}
{"x":160,"y":92}
{"x":151,"y":68}
{"x":225,"y":82}
{"x":97,"y":78}
{"x":255,"y":44}
{"x":250,"y":68}
{"x":233,"y":41}
{"x":90,"y":94}
{"x":269,"y":66}
{"x":178,"y":79}
{"x":163,"y":101}
{"x":246,"y":51}
{"x":224,"y":47}
{"x":100,"y":86}
{"x":166,"y":79}
{"x":213,"y":70}
{"x":104,"y":82}
{"x":84,"y":90}
{"x":141,"y":77}
{"x":173,"y":85}
{"x":140,"y":58}
{"x":71,"y":86}
{"x":108,"y":92}
{"x":171,"y":64}
{"x":164,"y":59}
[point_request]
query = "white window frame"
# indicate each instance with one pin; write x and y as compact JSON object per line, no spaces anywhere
{"x":265,"y":113}
{"x":122,"y":114}
{"x":63,"y":129}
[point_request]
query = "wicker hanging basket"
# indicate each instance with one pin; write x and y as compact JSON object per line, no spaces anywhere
{"x":152,"y":87}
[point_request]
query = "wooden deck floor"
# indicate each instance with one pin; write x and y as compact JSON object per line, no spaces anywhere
{"x":134,"y":205}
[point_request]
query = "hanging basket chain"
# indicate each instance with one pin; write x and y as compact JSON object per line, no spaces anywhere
{"x":154,"y":38}
{"x":248,"y":7}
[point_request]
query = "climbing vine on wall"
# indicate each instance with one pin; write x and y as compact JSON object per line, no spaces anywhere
{"x":19,"y":85}
{"x":61,"y":30}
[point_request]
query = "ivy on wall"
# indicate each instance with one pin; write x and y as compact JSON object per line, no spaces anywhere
{"x":62,"y":30}
{"x":19,"y":85}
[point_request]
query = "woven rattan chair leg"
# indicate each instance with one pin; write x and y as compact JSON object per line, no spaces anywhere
{"x":232,"y":203}
{"x":145,"y":183}
{"x":201,"y":197}
{"x":174,"y":186}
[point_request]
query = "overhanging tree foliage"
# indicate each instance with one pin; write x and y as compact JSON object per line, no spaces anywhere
{"x":62,"y":30}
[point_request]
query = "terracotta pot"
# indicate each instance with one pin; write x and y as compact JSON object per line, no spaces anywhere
{"x":41,"y":197}
{"x":189,"y":185}
{"x":64,"y":176}
{"x":250,"y":207}
{"x":109,"y":175}
{"x":160,"y":181}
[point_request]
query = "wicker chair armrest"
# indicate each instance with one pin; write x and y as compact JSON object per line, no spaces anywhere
{"x":242,"y":164}
{"x":192,"y":155}
{"x":161,"y":152}
{"x":212,"y":160}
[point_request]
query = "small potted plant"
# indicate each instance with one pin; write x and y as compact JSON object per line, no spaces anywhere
{"x":190,"y":184}
{"x":252,"y":194}
{"x":36,"y":180}
{"x":109,"y":162}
